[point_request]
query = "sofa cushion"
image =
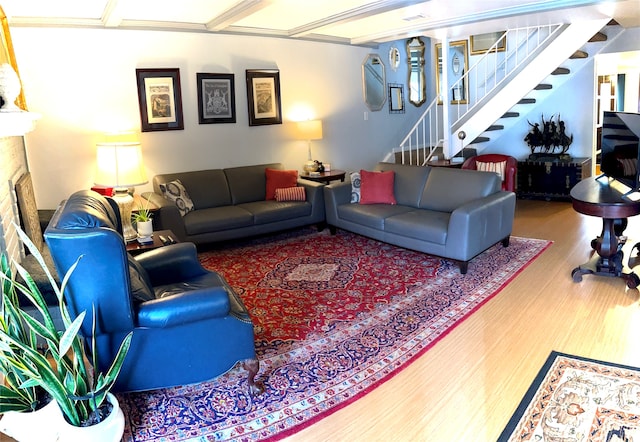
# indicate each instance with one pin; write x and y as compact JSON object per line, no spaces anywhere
{"x":355,"y":187}
{"x":377,"y":187}
{"x":199,"y":184}
{"x":248,"y":183}
{"x":296,"y":193}
{"x":271,"y":211}
{"x":408,"y":182}
{"x":372,"y":215}
{"x":216,"y":219}
{"x":176,"y":192}
{"x":279,"y":179}
{"x":425,"y":225}
{"x":447,"y":189}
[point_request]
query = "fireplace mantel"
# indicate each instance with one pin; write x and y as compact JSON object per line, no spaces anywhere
{"x":17,"y":124}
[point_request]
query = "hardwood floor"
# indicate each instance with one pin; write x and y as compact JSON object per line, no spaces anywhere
{"x":469,"y":384}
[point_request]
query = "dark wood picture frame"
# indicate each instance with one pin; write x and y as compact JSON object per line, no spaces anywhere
{"x":263,"y":97}
{"x":216,"y":98}
{"x":160,"y":99}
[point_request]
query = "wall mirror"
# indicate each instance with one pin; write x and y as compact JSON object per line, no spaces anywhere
{"x":396,"y":99}
{"x":394,"y":58}
{"x":417,"y":82}
{"x":373,"y":82}
{"x":7,"y":55}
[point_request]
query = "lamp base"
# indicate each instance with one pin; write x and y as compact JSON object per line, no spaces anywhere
{"x":125,"y":204}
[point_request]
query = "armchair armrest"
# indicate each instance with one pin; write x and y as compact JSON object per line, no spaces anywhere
{"x":167,"y":217}
{"x":315,"y":196}
{"x":184,"y":308}
{"x":336,"y":194}
{"x":171,"y":263}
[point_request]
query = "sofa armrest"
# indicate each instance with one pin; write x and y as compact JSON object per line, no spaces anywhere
{"x":184,"y":308}
{"x":478,"y":224}
{"x":167,"y":217}
{"x":315,"y":196}
{"x":336,"y":194}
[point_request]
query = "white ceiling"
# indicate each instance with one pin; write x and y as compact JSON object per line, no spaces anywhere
{"x":356,"y":22}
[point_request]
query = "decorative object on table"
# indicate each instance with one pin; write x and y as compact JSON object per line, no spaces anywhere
{"x":310,"y":130}
{"x":142,"y":217}
{"x":458,"y":66}
{"x":8,"y":55}
{"x":489,"y":42}
{"x":396,"y":99}
{"x":551,"y":140}
{"x":119,"y":165}
{"x":574,"y":398}
{"x":263,"y":95}
{"x":216,"y":98}
{"x":301,"y":332}
{"x":81,"y":393}
{"x":9,"y":88}
{"x":160,"y":99}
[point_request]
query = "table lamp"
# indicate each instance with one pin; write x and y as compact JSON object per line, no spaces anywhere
{"x":310,"y":130}
{"x":119,"y":165}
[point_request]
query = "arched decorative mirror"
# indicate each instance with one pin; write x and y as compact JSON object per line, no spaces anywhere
{"x":373,"y":82}
{"x":394,"y":58}
{"x":417,"y":81}
{"x":7,"y":55}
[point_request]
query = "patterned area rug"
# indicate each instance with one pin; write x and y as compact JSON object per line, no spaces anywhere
{"x":334,"y":316}
{"x":576,"y":399}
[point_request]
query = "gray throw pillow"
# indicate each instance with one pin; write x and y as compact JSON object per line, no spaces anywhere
{"x":176,"y":192}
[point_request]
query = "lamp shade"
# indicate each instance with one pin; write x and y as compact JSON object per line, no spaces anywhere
{"x":119,"y":164}
{"x":310,"y":129}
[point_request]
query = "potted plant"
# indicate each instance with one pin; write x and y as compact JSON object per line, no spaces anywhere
{"x":142,"y":217}
{"x":27,"y":409}
{"x":62,"y":369}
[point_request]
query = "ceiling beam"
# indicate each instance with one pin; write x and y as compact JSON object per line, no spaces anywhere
{"x":364,"y":11}
{"x":240,"y":10}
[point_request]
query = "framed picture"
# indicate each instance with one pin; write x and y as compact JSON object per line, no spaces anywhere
{"x":160,"y":99}
{"x":458,"y":65}
{"x":481,"y":43}
{"x":216,"y":98}
{"x":396,"y":99}
{"x":263,"y":96}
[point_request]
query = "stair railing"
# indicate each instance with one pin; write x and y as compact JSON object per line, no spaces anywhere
{"x":488,"y":73}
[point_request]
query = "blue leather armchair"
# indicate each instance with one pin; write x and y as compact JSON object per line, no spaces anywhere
{"x":188,"y":324}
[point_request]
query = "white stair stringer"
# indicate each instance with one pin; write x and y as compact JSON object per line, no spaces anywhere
{"x":556,"y":52}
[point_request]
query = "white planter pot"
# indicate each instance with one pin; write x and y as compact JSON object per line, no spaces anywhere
{"x":109,"y":430}
{"x":145,"y":228}
{"x":35,"y":426}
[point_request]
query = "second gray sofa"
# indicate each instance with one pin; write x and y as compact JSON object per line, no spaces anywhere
{"x":452,"y":213}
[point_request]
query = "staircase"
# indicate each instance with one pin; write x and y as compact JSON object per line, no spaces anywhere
{"x":502,"y":87}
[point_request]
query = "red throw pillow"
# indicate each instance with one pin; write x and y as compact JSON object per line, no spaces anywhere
{"x":377,"y":187}
{"x":279,"y":179}
{"x":291,"y":194}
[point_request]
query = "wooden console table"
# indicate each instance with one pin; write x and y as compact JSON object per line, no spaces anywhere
{"x":551,"y":180}
{"x":598,"y":198}
{"x":325,"y":177}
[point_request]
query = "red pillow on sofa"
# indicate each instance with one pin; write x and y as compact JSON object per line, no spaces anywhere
{"x":377,"y":187}
{"x":279,"y":179}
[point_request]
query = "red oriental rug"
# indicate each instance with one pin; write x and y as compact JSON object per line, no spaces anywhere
{"x":334,"y":316}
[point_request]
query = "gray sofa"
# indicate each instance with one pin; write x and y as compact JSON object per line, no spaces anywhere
{"x":447,"y":212}
{"x":230,"y":203}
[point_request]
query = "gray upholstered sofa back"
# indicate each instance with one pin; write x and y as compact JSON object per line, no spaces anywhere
{"x":248,"y":183}
{"x":199,"y":184}
{"x":447,"y":189}
{"x":408,"y":184}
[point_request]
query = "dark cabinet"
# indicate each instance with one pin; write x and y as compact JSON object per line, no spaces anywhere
{"x":551,"y":180}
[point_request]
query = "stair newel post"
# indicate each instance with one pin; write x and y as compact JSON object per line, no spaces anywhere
{"x":446,"y":102}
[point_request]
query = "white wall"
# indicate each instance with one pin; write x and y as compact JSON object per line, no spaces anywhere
{"x":83,"y":83}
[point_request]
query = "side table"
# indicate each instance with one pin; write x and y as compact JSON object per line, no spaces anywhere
{"x":325,"y":177}
{"x":134,"y":247}
{"x":597,"y":197}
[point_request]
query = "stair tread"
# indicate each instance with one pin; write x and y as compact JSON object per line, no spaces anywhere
{"x":561,"y":71}
{"x":527,"y":101}
{"x":495,"y":127}
{"x":579,"y":54}
{"x":599,"y":36}
{"x":543,"y":86}
{"x":511,"y":115}
{"x":480,"y":140}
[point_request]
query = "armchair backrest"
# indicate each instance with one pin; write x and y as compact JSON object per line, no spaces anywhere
{"x":87,"y":225}
{"x":508,"y":172}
